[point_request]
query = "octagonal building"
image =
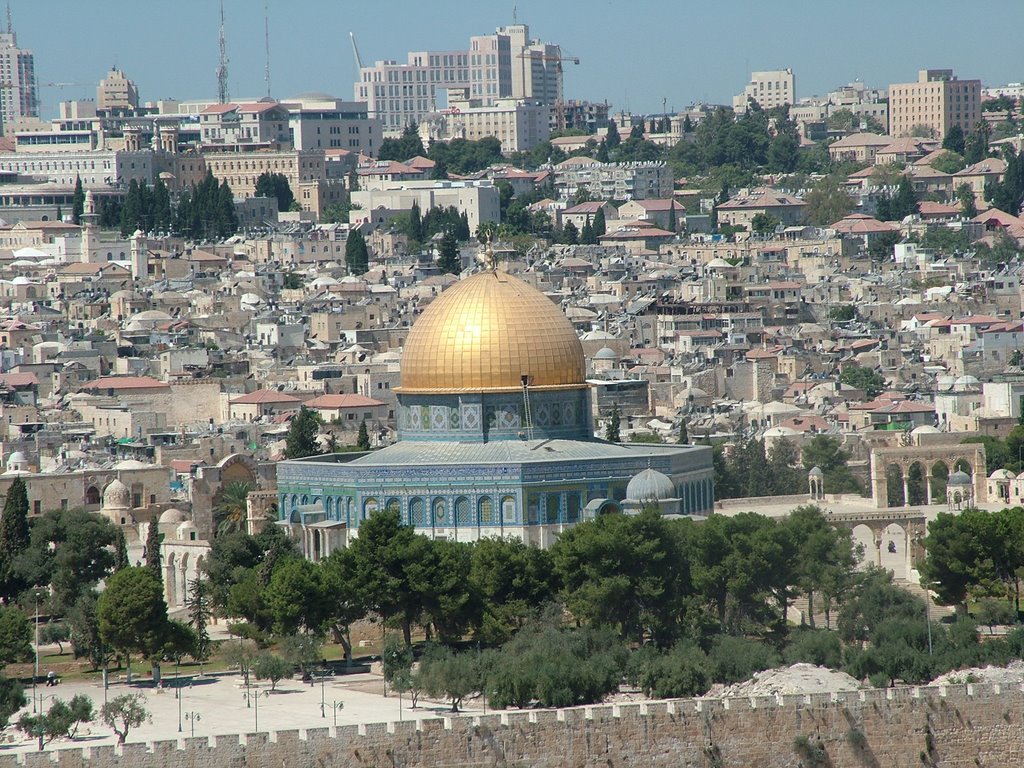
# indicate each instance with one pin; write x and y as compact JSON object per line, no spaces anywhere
{"x":495,"y":435}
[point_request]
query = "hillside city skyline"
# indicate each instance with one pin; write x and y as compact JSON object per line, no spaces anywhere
{"x":703,"y":57}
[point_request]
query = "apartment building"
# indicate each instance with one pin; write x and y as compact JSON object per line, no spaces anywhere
{"x":934,"y":104}
{"x":612,"y":181}
{"x":116,"y":94}
{"x":518,"y":124}
{"x":18,"y":98}
{"x":261,"y":123}
{"x":323,"y":122}
{"x":770,"y":88}
{"x":507,"y":64}
{"x":479,"y":200}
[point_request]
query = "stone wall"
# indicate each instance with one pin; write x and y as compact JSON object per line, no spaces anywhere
{"x":966,"y":725}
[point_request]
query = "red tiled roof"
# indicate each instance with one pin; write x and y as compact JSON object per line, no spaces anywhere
{"x":264,"y":396}
{"x":124,"y":382}
{"x":343,"y":401}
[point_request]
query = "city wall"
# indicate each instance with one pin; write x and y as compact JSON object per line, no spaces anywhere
{"x":961,"y":725}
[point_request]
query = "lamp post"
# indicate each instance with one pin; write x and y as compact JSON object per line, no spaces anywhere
{"x":323,"y":678}
{"x":255,"y":698}
{"x":35,"y":673}
{"x":192,"y":717}
{"x":337,"y":705}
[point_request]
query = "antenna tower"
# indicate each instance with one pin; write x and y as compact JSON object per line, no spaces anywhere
{"x":266,"y":33}
{"x":222,"y":66}
{"x":10,"y":26}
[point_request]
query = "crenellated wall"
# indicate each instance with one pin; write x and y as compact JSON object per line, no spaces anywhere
{"x":950,"y":726}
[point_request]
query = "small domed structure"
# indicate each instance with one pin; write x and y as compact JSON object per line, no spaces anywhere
{"x":117,"y":496}
{"x":651,"y":488}
{"x":959,"y":490}
{"x":17,"y":463}
{"x":172,"y":516}
{"x":959,"y":478}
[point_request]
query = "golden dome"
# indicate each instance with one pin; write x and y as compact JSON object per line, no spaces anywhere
{"x":484,"y":333}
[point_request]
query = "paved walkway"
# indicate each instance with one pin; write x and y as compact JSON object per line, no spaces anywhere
{"x":220,"y":705}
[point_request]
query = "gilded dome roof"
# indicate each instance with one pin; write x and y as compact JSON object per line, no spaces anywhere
{"x":484,"y":333}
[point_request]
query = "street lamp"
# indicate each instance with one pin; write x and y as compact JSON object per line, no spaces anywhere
{"x":192,"y":717}
{"x":254,"y":697}
{"x":338,"y":705}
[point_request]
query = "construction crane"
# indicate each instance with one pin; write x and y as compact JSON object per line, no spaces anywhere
{"x":558,"y":59}
{"x":355,"y":53}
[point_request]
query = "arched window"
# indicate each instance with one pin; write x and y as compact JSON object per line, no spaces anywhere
{"x":463,"y":511}
{"x":394,"y":506}
{"x":572,"y":510}
{"x":486,"y":510}
{"x":508,"y":509}
{"x":552,"y":508}
{"x":440,"y":512}
{"x":418,"y":512}
{"x":369,"y":507}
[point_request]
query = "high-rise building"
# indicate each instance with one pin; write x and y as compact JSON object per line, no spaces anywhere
{"x":18,"y":96}
{"x":769,"y":89}
{"x":507,"y":64}
{"x":934,"y":104}
{"x":116,"y":94}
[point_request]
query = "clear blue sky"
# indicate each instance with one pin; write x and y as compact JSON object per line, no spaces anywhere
{"x":633,"y":53}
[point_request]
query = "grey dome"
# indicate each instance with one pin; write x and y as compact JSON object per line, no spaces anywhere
{"x":959,"y":478}
{"x":650,"y":485}
{"x":816,"y":472}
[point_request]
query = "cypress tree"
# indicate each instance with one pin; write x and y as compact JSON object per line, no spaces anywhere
{"x":363,"y":441}
{"x":673,"y":223}
{"x":120,"y":551}
{"x":587,"y":236}
{"x":77,"y":202}
{"x":449,"y":260}
{"x":153,"y":549}
{"x":684,"y":435}
{"x":357,"y":258}
{"x":14,"y":537}
{"x":599,"y":224}
{"x":612,"y":138}
{"x":611,"y":429}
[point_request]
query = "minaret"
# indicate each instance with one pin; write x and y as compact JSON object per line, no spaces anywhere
{"x":140,"y":256}
{"x":222,"y":66}
{"x":89,"y":219}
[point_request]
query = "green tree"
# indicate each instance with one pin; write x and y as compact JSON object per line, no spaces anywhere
{"x":363,"y":440}
{"x":120,"y":551}
{"x":61,"y":720}
{"x":965,"y":196}
{"x":627,"y":572}
{"x":296,"y":598}
{"x":69,"y":552}
{"x":199,"y":615}
{"x":55,"y":633}
{"x":904,"y":203}
{"x":827,"y":202}
{"x":512,"y":580}
{"x":882,"y":247}
{"x":303,"y":651}
{"x":357,"y":256}
{"x":346,"y":600}
{"x":153,"y":560}
{"x":230,"y":509}
{"x":302,"y":435}
{"x":85,"y":633}
{"x":1008,"y":195}
{"x":612,"y":138}
{"x":570,"y":234}
{"x":587,"y":236}
{"x":124,"y":712}
{"x":77,"y":201}
{"x":396,"y":660}
{"x":453,"y":676}
{"x":275,"y":185}
{"x":449,"y":260}
{"x":954,"y":140}
{"x":14,"y":537}
{"x":132,"y":614}
{"x":15,"y":636}
{"x":599,"y":225}
{"x":976,"y":144}
{"x":867,"y":379}
{"x":382,"y":555}
{"x":404,"y":148}
{"x":679,"y":672}
{"x":271,"y":667}
{"x":764,"y":223}
{"x":611,"y":429}
{"x":684,"y":435}
{"x":949,"y":162}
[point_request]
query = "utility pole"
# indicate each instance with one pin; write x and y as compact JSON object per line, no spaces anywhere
{"x":266,"y":33}
{"x":222,"y":66}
